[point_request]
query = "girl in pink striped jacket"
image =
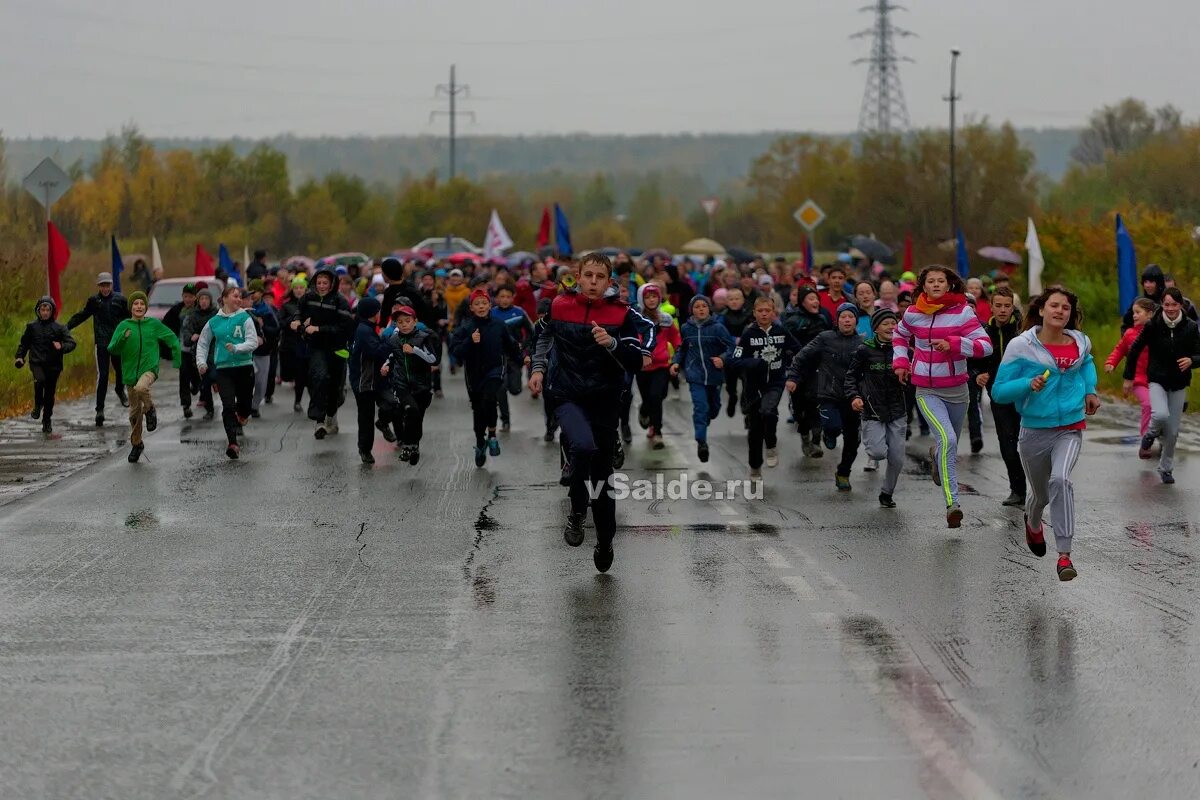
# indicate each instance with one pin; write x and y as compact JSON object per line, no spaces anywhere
{"x":932,"y":343}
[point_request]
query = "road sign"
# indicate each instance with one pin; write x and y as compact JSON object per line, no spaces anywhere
{"x":710,"y":205}
{"x":809,"y":215}
{"x":48,"y":183}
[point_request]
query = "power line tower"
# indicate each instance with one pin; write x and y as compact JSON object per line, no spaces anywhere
{"x":452,"y":90}
{"x":883,"y":107}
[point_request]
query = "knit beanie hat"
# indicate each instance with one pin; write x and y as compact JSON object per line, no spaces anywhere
{"x":256,"y":285}
{"x":367,"y":307}
{"x":133,"y":298}
{"x":880,"y":316}
{"x":845,"y":308}
{"x":300,"y":281}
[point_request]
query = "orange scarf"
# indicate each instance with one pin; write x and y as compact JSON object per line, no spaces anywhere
{"x":927,"y":306}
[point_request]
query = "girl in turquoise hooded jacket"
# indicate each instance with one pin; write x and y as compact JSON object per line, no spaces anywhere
{"x":1049,"y":373}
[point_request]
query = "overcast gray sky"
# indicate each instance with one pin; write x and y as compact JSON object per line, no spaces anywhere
{"x":258,"y":67}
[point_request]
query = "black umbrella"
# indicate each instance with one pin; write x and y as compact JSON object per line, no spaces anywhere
{"x":740,"y":254}
{"x":873,"y":249}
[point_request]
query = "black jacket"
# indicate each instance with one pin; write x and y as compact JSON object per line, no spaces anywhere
{"x":761,"y":357}
{"x":412,"y":372}
{"x":192,"y":325}
{"x":332,"y":315}
{"x":105,"y":312}
{"x":268,"y":328}
{"x":488,"y":358}
{"x":574,"y":366}
{"x":290,"y":340}
{"x":804,"y":326}
{"x":831,"y":353}
{"x":1166,"y":346}
{"x":173,"y":319}
{"x":1001,"y":336}
{"x":736,"y":321}
{"x":37,"y":342}
{"x":367,"y":354}
{"x":870,"y":377}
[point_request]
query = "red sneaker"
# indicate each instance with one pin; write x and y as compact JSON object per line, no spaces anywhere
{"x":1066,"y":570}
{"x":233,"y":451}
{"x":1035,"y":539}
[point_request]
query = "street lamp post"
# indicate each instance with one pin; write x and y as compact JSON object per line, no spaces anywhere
{"x":953,"y":98}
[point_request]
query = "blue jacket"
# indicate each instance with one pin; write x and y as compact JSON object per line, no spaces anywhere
{"x":368,"y":353}
{"x":488,"y":359}
{"x":703,"y":341}
{"x":1061,"y":402}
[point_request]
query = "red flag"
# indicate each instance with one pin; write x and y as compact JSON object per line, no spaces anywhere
{"x":58,"y":256}
{"x":908,"y":255}
{"x":204,"y":263}
{"x":543,"y":238}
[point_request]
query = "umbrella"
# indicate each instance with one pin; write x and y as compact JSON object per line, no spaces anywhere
{"x":741,"y":254}
{"x":299,"y":261}
{"x":345,"y":259}
{"x":1001,"y":254}
{"x":873,"y":249}
{"x":611,"y":252}
{"x":413,"y":255}
{"x":520,"y":257}
{"x":660,"y":252}
{"x":703,"y":247}
{"x":460,"y":258}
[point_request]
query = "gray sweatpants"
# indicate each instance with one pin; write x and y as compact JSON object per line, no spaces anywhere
{"x":946,"y":421}
{"x":262,"y":373}
{"x":1048,"y":456}
{"x":1166,"y":410}
{"x":885,"y":440}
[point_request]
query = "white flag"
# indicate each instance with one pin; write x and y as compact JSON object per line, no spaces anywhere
{"x":155,"y":256}
{"x":1036,"y":262}
{"x":497,"y":240}
{"x":245,"y":257}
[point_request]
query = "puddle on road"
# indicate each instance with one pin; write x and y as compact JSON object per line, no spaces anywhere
{"x":142,"y":520}
{"x":757,"y":528}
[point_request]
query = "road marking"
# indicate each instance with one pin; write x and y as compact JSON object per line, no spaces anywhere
{"x":801,"y":587}
{"x":726,"y":510}
{"x":773,"y":558}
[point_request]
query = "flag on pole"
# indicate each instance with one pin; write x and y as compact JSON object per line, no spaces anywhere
{"x":118,"y":266}
{"x":1036,"y":263}
{"x":908,"y":253}
{"x":245,"y":256}
{"x":1127,"y":283}
{"x":204,"y":263}
{"x":964,"y":266}
{"x":808,"y":256}
{"x":225,"y":262}
{"x":496,"y":240}
{"x":543,"y":237}
{"x":562,"y":233}
{"x":156,"y":265}
{"x":58,"y":254}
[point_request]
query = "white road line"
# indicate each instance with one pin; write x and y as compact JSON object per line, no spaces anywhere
{"x":725,"y":510}
{"x":773,"y":558}
{"x":801,"y":587}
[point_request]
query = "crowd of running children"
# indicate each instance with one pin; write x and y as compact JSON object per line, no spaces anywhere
{"x":856,"y":362}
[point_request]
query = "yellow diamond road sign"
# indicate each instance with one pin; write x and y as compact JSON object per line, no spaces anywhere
{"x":809,"y":215}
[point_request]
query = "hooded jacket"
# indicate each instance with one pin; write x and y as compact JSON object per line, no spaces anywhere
{"x":488,"y":358}
{"x":574,"y":366}
{"x":139,"y":351}
{"x":1166,"y":346}
{"x":268,"y":325}
{"x":105,"y":312}
{"x":831,"y":352}
{"x":1061,"y":402}
{"x":700,"y":341}
{"x":762,"y":356}
{"x":737,"y":321}
{"x":802,"y":324}
{"x":871,"y":378}
{"x":1151,"y":273}
{"x":331,"y":314}
{"x":916,"y":332}
{"x":367,"y":354}
{"x":665,"y":332}
{"x":291,"y":341}
{"x":37,"y":342}
{"x":411,"y":372}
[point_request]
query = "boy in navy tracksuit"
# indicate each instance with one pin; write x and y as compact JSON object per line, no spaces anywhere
{"x":484,"y":346}
{"x":45,"y":341}
{"x":706,"y":346}
{"x":761,"y":358}
{"x":517,"y":321}
{"x":414,"y":349}
{"x":367,"y":354}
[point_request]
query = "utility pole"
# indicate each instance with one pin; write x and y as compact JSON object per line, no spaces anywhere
{"x":883,"y":107}
{"x":953,"y":99}
{"x":452,"y":91}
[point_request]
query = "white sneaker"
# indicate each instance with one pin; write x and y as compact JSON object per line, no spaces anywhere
{"x":756,"y":475}
{"x":772,"y":457}
{"x":331,"y":425}
{"x":871,"y":466}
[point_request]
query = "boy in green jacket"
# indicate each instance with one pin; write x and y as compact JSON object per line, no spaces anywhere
{"x":135,"y":342}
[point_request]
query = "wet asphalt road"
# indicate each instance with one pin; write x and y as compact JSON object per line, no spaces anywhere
{"x":296,"y":625}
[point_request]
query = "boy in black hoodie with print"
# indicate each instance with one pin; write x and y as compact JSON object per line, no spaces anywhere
{"x":45,"y":341}
{"x":484,"y":345}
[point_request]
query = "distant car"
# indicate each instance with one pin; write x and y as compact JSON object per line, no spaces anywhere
{"x":443,"y":246}
{"x":168,"y":292}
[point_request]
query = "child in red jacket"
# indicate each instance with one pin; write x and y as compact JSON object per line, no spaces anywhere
{"x":1143,"y":310}
{"x":652,"y":380}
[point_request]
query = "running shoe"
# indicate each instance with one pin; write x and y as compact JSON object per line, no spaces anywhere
{"x":124,"y":398}
{"x":830,"y":440}
{"x":386,"y":430}
{"x":505,"y":425}
{"x":871,"y":466}
{"x":331,"y":425}
{"x":755,"y":474}
{"x":954,"y":516}
{"x":976,"y":446}
{"x":772,"y":457}
{"x":136,"y":452}
{"x":1166,"y":476}
{"x":657,"y":442}
{"x":187,"y":412}
{"x":47,"y":427}
{"x":650,"y":433}
{"x":255,"y":413}
{"x":934,"y":470}
{"x":842,"y":482}
{"x":232,"y":451}
{"x":626,"y":432}
{"x":886,"y":501}
{"x":813,"y":450}
{"x":414,"y":455}
{"x":1036,"y":540}
{"x":366,"y":457}
{"x":36,"y":413}
{"x":99,"y":420}
{"x":493,"y":446}
{"x":481,"y":455}
{"x":702,"y":451}
{"x":403,"y":452}
{"x":573,"y":533}
{"x":1066,"y":570}
{"x":296,"y":408}
{"x":643,"y":417}
{"x":618,"y":455}
{"x":602,"y":557}
{"x":731,"y":409}
{"x":1145,"y":450}
{"x":1014,"y":500}
{"x":151,"y":420}
{"x":548,"y":436}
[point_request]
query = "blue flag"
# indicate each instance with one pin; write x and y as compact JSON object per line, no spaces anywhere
{"x":964,"y":266}
{"x":225,"y":262}
{"x":1127,"y":282}
{"x":562,"y":232}
{"x":118,"y":266}
{"x":808,"y":256}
